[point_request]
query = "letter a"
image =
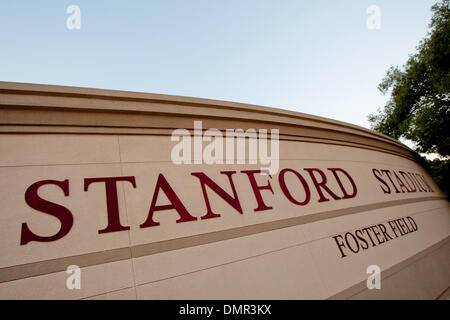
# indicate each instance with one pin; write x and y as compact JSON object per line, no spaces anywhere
{"x":374,"y":280}
{"x":175,"y":203}
{"x":74,"y":21}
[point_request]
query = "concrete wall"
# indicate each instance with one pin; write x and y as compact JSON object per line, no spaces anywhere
{"x":287,"y":252}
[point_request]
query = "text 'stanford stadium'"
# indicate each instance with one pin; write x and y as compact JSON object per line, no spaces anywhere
{"x":87,"y":179}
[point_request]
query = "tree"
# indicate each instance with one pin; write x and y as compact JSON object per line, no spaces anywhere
{"x":440,"y":170}
{"x":418,"y":107}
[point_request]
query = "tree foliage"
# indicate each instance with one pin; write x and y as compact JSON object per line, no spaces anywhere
{"x":440,"y":171}
{"x":418,"y":108}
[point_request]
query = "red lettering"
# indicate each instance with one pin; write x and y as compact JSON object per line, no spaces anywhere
{"x":377,"y":175}
{"x":403,"y":174}
{"x":257,"y":189}
{"x":61,"y":213}
{"x":286,"y":191}
{"x":346,"y":195}
{"x":321,"y":185}
{"x":400,"y":182}
{"x":233,"y":201}
{"x":112,"y":202}
{"x":175,"y":203}
{"x":387,"y":172}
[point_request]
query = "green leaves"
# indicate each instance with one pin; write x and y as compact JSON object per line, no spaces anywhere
{"x":440,"y":170}
{"x":418,"y":108}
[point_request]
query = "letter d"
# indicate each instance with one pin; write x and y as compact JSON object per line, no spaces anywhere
{"x":225,"y":310}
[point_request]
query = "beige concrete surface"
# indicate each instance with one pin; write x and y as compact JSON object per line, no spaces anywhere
{"x":287,"y":252}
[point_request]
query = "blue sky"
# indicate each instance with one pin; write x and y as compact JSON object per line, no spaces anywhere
{"x":316,"y":57}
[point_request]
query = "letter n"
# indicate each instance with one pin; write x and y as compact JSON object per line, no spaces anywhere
{"x":233,"y":201}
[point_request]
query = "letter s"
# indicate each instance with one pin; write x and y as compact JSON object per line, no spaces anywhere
{"x":61,"y":213}
{"x":378,"y":176}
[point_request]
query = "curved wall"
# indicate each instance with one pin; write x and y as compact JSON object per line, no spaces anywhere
{"x":86,"y":179}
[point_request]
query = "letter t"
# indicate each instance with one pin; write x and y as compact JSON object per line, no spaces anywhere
{"x":112,"y":203}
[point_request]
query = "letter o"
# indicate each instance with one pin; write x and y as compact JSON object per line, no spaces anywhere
{"x":286,"y":191}
{"x":348,"y":244}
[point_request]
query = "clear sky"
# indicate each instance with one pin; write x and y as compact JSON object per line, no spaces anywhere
{"x":317,"y":57}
